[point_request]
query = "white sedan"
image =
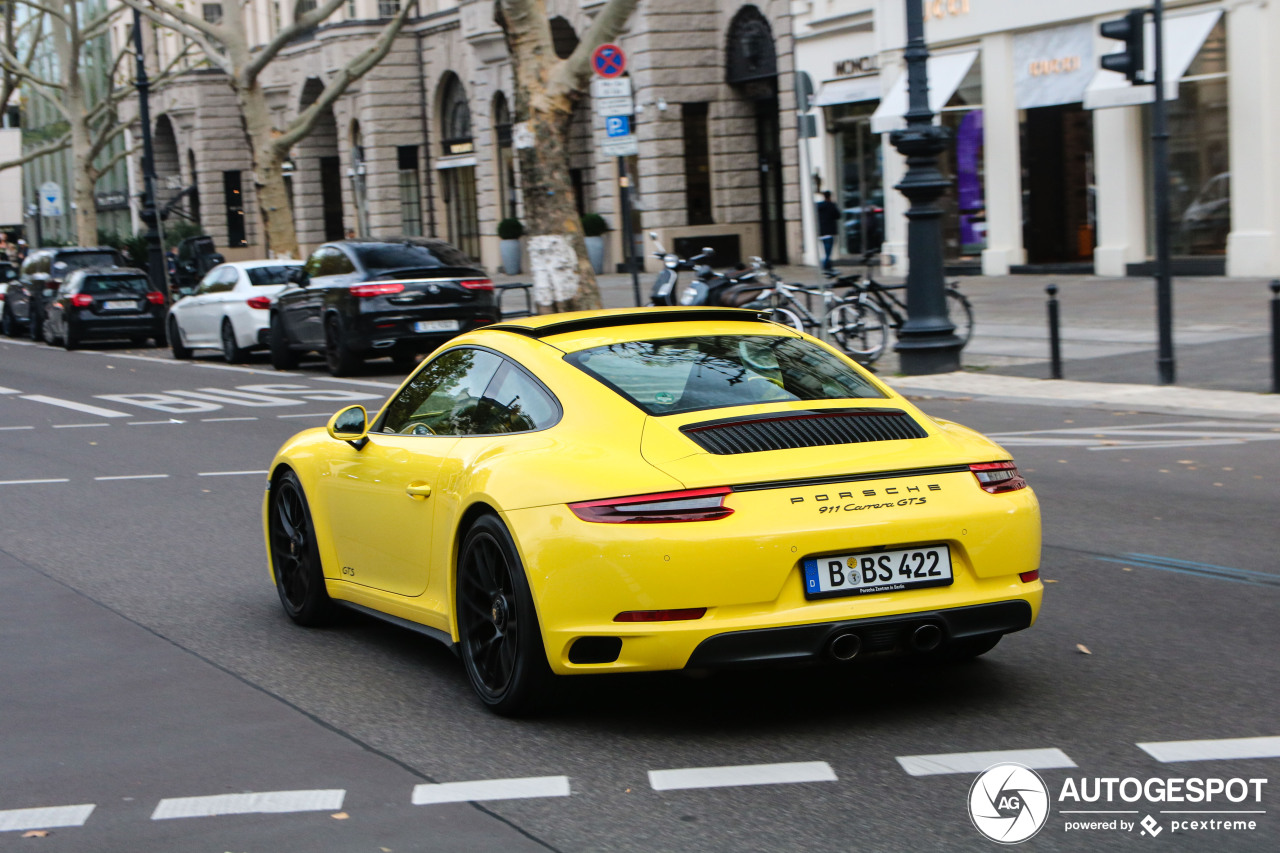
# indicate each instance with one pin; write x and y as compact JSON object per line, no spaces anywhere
{"x":228,"y":310}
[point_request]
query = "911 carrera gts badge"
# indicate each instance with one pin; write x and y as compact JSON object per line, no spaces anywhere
{"x":891,"y":491}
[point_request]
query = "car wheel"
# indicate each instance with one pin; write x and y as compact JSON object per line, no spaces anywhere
{"x":971,"y":647}
{"x":49,"y":337}
{"x":499,"y":637}
{"x":341,"y":360}
{"x":180,"y":351}
{"x":70,"y":339}
{"x":282,"y":358}
{"x":295,"y":557}
{"x":7,"y":325}
{"x":232,"y":351}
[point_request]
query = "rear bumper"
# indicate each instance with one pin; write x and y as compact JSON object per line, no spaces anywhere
{"x":395,"y":330}
{"x":809,"y":643}
{"x":117,"y":327}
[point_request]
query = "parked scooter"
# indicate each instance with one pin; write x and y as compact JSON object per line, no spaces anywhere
{"x":664,"y":286}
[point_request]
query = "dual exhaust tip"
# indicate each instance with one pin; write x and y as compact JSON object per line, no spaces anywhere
{"x":846,"y":646}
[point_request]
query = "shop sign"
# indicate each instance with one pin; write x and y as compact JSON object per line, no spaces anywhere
{"x":113,"y":200}
{"x":1052,"y":66}
{"x":857,"y":66}
{"x":937,"y":9}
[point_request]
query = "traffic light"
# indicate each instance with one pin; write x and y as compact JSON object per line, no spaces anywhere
{"x":1130,"y":30}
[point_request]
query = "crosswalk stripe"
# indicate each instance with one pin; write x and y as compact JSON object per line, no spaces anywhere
{"x":976,"y":762}
{"x":17,"y":820}
{"x":266,"y":802}
{"x":1212,"y":750}
{"x":490,"y":789}
{"x":746,"y":774}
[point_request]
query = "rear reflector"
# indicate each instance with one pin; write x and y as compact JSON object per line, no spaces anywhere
{"x":477,"y":284}
{"x":661,"y":615}
{"x":996,"y":477}
{"x":155,"y":297}
{"x":689,"y":505}
{"x":364,"y":291}
{"x":261,"y":303}
{"x":82,"y":300}
{"x":1028,"y":577}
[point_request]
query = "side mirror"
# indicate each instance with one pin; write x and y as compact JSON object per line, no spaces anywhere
{"x":350,"y":425}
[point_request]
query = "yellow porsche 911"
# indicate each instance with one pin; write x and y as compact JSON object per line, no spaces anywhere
{"x":653,"y":489}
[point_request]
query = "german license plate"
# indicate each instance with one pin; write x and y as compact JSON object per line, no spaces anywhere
{"x":120,"y":305}
{"x":436,"y":326}
{"x":878,"y":571}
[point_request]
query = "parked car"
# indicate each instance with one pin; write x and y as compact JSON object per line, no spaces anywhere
{"x":40,"y":276}
{"x":102,"y":303}
{"x":229,"y":310}
{"x":358,"y":299}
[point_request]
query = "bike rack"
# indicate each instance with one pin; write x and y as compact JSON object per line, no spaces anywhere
{"x":504,"y":289}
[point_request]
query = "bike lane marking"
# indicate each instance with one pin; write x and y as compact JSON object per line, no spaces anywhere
{"x":84,"y":408}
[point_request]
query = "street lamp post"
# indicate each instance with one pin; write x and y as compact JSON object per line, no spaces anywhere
{"x":926,"y":342}
{"x":156,"y":271}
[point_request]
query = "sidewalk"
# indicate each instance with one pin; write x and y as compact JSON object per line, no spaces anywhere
{"x":1108,"y":331}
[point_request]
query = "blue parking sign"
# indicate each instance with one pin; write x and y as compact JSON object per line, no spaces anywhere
{"x":617,"y":126}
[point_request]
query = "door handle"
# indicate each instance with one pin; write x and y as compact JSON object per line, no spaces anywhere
{"x":418,"y":491}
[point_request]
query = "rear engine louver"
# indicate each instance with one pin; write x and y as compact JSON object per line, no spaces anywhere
{"x":803,"y":429}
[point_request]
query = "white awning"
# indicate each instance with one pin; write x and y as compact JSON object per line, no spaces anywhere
{"x":1183,"y":37}
{"x":848,"y":91}
{"x":945,"y":73}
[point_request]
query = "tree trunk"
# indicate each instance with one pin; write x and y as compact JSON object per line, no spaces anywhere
{"x":273,"y":198}
{"x":84,"y":176}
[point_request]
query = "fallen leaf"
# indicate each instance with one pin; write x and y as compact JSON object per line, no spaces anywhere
{"x":36,"y":833}
{"x":340,"y":816}
{"x":1046,"y":580}
{"x":1083,"y":649}
{"x":1186,"y":461}
{"x":1126,"y":569}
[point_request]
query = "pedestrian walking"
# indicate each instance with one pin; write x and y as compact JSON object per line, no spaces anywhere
{"x":828,"y":227}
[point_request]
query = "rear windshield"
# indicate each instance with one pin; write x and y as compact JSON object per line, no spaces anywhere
{"x":268,"y":275}
{"x":401,"y":256}
{"x":81,"y":260}
{"x":672,"y":375}
{"x":94,"y":284}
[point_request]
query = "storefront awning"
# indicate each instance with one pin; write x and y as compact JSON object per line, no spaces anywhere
{"x":1183,"y":37}
{"x":849,"y":91}
{"x":945,"y":73}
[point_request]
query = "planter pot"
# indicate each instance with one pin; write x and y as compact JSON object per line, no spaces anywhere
{"x":595,"y":251}
{"x":510,"y":256}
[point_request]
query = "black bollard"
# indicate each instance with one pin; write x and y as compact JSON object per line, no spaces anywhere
{"x":1055,"y":342}
{"x":1275,"y":336}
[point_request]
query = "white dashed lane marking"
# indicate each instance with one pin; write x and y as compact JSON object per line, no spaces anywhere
{"x":223,"y":420}
{"x":84,"y":408}
{"x":229,"y":473}
{"x":747,"y":774}
{"x":4,"y":390}
{"x":1213,"y":750}
{"x":976,"y":762}
{"x":19,"y":820}
{"x":491,"y":789}
{"x":324,"y":415}
{"x":16,"y":427}
{"x":267,"y":802}
{"x":33,"y":482}
{"x":77,"y":426}
{"x":133,"y":477}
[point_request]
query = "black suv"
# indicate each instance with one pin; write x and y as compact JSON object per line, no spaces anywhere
{"x":113,"y":302}
{"x":358,"y":299}
{"x":41,"y":275}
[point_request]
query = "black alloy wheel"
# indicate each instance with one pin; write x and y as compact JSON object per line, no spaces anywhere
{"x":500,"y":641}
{"x":341,"y":360}
{"x":232,"y":351}
{"x":282,"y":357}
{"x":180,"y":351}
{"x":295,"y":557}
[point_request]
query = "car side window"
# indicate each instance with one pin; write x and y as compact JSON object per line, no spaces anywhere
{"x":342,"y":264}
{"x":329,"y":261}
{"x":315,"y":262}
{"x":226,"y":280}
{"x":446,"y":396}
{"x":514,"y":402}
{"x":208,"y":282}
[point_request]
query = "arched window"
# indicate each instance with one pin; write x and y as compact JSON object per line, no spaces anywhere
{"x":455,"y":117}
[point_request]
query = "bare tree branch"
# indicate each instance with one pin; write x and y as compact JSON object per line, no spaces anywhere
{"x":572,"y":74}
{"x":201,"y":36}
{"x":287,"y":34}
{"x":15,"y":66}
{"x":60,"y":144}
{"x":46,"y":10}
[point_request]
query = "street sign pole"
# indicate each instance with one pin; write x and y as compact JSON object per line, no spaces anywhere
{"x":612,"y":95}
{"x":628,"y":237}
{"x":1160,"y":154}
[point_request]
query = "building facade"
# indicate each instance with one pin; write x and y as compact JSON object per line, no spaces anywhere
{"x":1050,"y":156}
{"x":423,"y":144}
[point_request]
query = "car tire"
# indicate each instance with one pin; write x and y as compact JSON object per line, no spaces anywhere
{"x":232,"y":351}
{"x":70,"y":339}
{"x":295,"y":556}
{"x":969,"y":648}
{"x":180,"y":350}
{"x":341,"y":360}
{"x":8,"y":326}
{"x":49,"y":337}
{"x":282,"y":357}
{"x":499,"y":638}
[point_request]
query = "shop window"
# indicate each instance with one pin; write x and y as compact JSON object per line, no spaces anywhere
{"x":410,"y":191}
{"x":697,"y":164}
{"x":964,"y":219}
{"x":388,"y":8}
{"x":233,"y":200}
{"x":860,"y":176}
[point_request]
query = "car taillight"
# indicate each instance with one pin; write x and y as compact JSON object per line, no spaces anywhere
{"x":364,"y":291}
{"x":684,"y":615}
{"x":155,"y":297}
{"x":996,"y":477}
{"x":261,"y":303}
{"x":1028,"y":577}
{"x":688,"y":505}
{"x":477,"y":284}
{"x":82,"y":300}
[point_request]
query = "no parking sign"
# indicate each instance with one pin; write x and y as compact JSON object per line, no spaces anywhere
{"x":608,"y":60}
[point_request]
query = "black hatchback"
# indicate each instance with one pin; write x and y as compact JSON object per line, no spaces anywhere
{"x":358,"y":299}
{"x":41,"y":275}
{"x":99,"y":304}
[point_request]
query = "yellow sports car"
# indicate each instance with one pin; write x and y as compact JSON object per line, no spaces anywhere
{"x":653,"y":489}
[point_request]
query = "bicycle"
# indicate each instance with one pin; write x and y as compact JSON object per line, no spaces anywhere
{"x":893,"y":309}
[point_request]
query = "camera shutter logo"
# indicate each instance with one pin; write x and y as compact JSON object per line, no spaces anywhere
{"x":1009,"y":803}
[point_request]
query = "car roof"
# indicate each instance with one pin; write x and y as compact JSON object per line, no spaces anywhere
{"x":271,"y":262}
{"x":545,"y":325}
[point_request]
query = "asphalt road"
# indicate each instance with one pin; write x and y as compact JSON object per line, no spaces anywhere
{"x":145,"y":658}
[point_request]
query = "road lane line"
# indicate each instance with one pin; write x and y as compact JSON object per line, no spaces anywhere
{"x":229,"y":473}
{"x":325,"y":415}
{"x":4,"y":390}
{"x":368,"y":382}
{"x":266,"y":802}
{"x":976,"y":762}
{"x":15,"y":820}
{"x":747,"y":774}
{"x":223,"y":420}
{"x":133,"y":477}
{"x":32,"y":482}
{"x":79,"y":407}
{"x":77,"y":426}
{"x":1212,"y":750}
{"x":491,"y":789}
{"x":18,"y":427}
{"x":154,"y":423}
{"x":14,"y":343}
